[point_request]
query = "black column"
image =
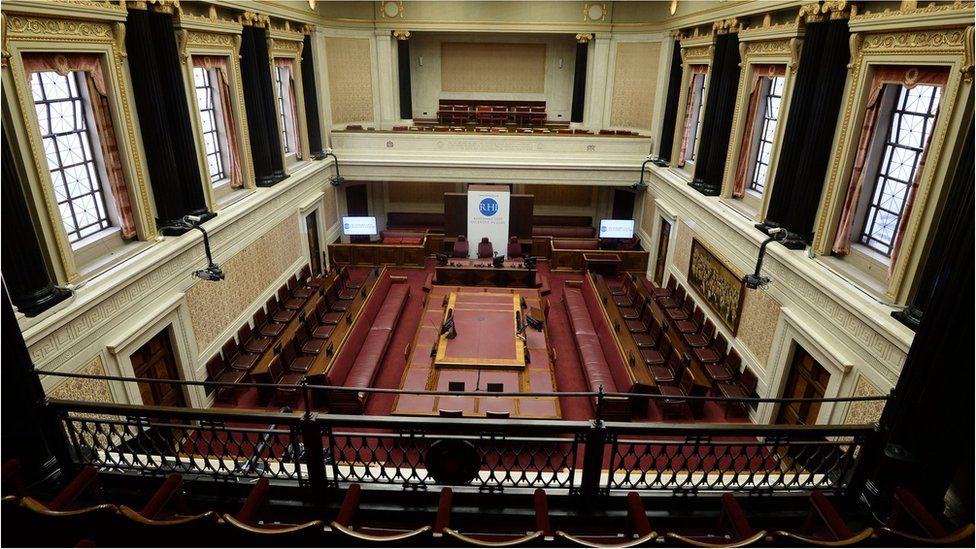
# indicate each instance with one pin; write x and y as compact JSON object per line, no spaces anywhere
{"x":816,"y":155}
{"x":254,"y":108}
{"x":403,"y":70}
{"x":670,"y":107}
{"x":311,"y":101}
{"x":579,"y":81}
{"x":177,"y":112}
{"x":153,"y":119}
{"x":794,"y":135}
{"x":708,"y":115}
{"x":949,"y":222}
{"x":24,"y":272}
{"x":929,"y":423}
{"x":23,"y":426}
{"x":263,"y":60}
{"x":719,"y":111}
{"x":795,"y":205}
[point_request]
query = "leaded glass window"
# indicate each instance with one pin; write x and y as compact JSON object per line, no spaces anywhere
{"x":208,"y":120}
{"x":764,"y":145}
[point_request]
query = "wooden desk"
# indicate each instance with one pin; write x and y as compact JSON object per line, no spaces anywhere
{"x":475,"y":273}
{"x":628,"y":348}
{"x":601,"y":262}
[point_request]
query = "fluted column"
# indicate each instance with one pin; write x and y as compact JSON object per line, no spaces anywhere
{"x":388,"y":87}
{"x":594,"y":105}
{"x":579,"y":75}
{"x":403,"y":74}
{"x":311,"y":93}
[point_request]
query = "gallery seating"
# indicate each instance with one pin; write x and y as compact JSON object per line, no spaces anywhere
{"x":254,"y":524}
{"x":714,"y":352}
{"x":675,"y":393}
{"x":909,"y":523}
{"x":253,"y":342}
{"x":636,"y":531}
{"x":513,"y":538}
{"x":218,"y":371}
{"x":286,"y":381}
{"x":167,"y":510}
{"x":236,"y":359}
{"x":824,"y":527}
{"x":732,"y":530}
{"x":349,"y":526}
{"x":743,"y":385}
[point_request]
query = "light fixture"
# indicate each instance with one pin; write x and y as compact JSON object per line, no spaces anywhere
{"x":640,"y":186}
{"x":212,"y":271}
{"x":673,"y":7}
{"x":756,"y":280}
{"x":336,"y":179}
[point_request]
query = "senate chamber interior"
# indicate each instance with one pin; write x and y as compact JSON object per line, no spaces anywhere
{"x":487,"y":273}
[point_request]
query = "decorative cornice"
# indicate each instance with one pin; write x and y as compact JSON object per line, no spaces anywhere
{"x":725,"y":26}
{"x":42,"y":28}
{"x":967,"y":64}
{"x":253,"y":19}
{"x":207,"y":23}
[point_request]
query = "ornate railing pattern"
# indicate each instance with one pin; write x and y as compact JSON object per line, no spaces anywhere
{"x":587,"y":458}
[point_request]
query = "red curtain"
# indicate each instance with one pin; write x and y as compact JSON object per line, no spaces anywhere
{"x":219,"y":65}
{"x":689,"y":104}
{"x":908,"y":77}
{"x":91,"y":66}
{"x":755,"y":96}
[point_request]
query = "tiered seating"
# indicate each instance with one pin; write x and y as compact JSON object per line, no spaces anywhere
{"x":172,"y":517}
{"x":366,"y":345}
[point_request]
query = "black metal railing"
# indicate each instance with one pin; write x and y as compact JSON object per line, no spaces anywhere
{"x":325,"y":451}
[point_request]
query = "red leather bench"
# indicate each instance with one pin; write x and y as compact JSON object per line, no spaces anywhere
{"x":372,"y":351}
{"x":591,"y":355}
{"x":575,"y":244}
{"x":541,"y":231}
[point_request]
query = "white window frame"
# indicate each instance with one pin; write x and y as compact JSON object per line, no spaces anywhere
{"x":282,"y":80}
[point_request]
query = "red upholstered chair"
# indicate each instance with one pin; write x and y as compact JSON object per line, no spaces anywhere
{"x":347,"y":281}
{"x":235,"y":358}
{"x":288,"y":302}
{"x":347,"y":524}
{"x":285,"y":381}
{"x":460,"y":247}
{"x":714,"y":352}
{"x":637,"y":532}
{"x":725,"y":371}
{"x":743,"y":387}
{"x":155,"y":513}
{"x":326,"y":317}
{"x":298,"y":288}
{"x":78,"y":511}
{"x":316,"y":329}
{"x":254,"y":525}
{"x":732,"y":530}
{"x":252,"y":342}
{"x":702,"y":338}
{"x":485,"y":249}
{"x":218,"y":371}
{"x":675,"y":394}
{"x":652,"y":336}
{"x":514,"y":248}
{"x":265,"y":326}
{"x":692,"y":325}
{"x":676,"y":298}
{"x":635,"y":311}
{"x":922,"y":527}
{"x":292,"y":357}
{"x":303,"y":337}
{"x":276,"y":312}
{"x":684,"y":312}
{"x":658,"y":356}
{"x":660,"y":293}
{"x":668,"y":372}
{"x":823,"y":526}
{"x":332,"y":300}
{"x":517,"y":535}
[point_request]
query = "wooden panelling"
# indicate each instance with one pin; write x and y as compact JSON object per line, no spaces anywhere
{"x":400,"y":255}
{"x":577,"y":196}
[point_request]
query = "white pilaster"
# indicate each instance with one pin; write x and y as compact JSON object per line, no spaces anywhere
{"x":386,"y":68}
{"x":597,"y":67}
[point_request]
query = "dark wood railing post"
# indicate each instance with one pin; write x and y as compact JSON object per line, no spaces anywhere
{"x":593,"y":460}
{"x":314,"y":458}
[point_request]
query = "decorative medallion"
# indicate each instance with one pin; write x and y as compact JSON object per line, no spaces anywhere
{"x":595,"y":11}
{"x":391,"y":8}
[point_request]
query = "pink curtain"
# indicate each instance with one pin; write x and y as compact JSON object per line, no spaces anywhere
{"x":745,"y":150}
{"x":902,"y":76}
{"x":91,"y":66}
{"x":219,"y":65}
{"x":689,"y":104}
{"x":287,"y":64}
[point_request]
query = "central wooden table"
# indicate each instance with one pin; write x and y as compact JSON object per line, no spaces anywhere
{"x":480,"y":272}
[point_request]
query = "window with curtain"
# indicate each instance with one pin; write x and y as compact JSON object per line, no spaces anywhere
{"x":691,"y":130}
{"x":759,"y":132}
{"x":217,"y":124}
{"x":909,"y":126}
{"x":899,"y":117}
{"x":69,"y":145}
{"x":213,"y":136}
{"x":284,"y":71}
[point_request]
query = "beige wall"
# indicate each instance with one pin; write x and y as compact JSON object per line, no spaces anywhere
{"x":505,"y":67}
{"x":350,"y":79}
{"x":634,"y":83}
{"x":213,"y":306}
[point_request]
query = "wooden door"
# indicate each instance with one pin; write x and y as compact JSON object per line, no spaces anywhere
{"x":623,"y":204}
{"x":807,"y":379}
{"x":155,"y":360}
{"x":662,"y":252}
{"x":314,"y":251}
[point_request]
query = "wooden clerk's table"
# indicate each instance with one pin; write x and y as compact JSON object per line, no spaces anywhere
{"x":323,"y":361}
{"x":479,"y":272}
{"x":601,"y":262}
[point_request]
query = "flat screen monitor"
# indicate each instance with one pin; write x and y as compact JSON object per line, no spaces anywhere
{"x":358,"y":226}
{"x":616,"y":228}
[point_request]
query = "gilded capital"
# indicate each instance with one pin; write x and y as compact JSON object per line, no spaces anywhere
{"x":401,"y":34}
{"x":584,"y":37}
